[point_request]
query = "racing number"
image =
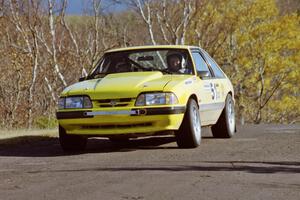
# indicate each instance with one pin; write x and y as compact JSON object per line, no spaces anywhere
{"x":213,"y":91}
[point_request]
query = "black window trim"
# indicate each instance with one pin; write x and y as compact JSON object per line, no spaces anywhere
{"x":196,"y":50}
{"x":203,"y":54}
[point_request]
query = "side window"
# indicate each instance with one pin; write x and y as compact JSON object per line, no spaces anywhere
{"x":200,"y":63}
{"x":218,"y":73}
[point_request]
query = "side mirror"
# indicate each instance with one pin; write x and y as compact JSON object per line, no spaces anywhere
{"x":203,"y":74}
{"x":82,"y":78}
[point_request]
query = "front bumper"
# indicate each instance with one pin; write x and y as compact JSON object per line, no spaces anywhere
{"x":121,"y":121}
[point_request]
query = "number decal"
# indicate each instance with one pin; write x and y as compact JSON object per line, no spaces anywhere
{"x":213,"y":91}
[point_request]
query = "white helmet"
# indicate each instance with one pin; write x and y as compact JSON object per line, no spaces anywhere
{"x":171,"y":54}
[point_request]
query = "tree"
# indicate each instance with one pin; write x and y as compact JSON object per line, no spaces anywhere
{"x":256,"y":46}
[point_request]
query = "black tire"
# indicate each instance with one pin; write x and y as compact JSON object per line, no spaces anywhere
{"x":71,"y":142}
{"x":225,"y":126}
{"x":189,"y":133}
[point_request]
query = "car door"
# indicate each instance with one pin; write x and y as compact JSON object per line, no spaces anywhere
{"x":218,"y":82}
{"x":205,"y":88}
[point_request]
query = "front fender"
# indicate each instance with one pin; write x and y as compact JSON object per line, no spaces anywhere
{"x":183,"y":88}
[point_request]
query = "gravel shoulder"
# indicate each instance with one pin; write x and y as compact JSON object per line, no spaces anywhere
{"x":260,"y":162}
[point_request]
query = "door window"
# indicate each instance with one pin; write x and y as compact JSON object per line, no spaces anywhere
{"x":218,"y":73}
{"x":200,"y":63}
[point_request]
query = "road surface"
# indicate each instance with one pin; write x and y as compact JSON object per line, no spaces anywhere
{"x":260,"y":162}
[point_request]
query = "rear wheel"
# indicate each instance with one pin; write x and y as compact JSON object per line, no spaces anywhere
{"x":225,"y":126}
{"x":71,"y":142}
{"x":189,"y":133}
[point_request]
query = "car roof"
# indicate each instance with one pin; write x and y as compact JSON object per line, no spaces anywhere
{"x":152,"y":47}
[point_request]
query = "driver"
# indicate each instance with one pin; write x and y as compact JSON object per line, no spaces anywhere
{"x":176,"y":62}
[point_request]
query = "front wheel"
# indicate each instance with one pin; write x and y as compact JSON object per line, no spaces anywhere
{"x":189,"y":133}
{"x":71,"y":142}
{"x":225,"y":126}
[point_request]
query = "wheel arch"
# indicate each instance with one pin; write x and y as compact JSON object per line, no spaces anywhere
{"x":193,"y":96}
{"x":231,"y":93}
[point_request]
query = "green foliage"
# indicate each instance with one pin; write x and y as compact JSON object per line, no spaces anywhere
{"x":44,"y":122}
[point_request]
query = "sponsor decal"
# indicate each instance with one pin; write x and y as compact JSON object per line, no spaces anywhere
{"x":188,"y":82}
{"x":207,"y":87}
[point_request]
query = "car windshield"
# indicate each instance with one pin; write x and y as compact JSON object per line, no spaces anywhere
{"x":170,"y":61}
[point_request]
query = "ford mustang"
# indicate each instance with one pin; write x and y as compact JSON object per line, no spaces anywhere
{"x":148,"y":90}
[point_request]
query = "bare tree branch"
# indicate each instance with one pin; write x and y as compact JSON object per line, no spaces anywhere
{"x":53,"y":40}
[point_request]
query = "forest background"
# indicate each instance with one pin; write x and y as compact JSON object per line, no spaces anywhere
{"x":43,"y":50}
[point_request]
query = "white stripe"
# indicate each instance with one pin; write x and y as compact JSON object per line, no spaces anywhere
{"x":119,"y":112}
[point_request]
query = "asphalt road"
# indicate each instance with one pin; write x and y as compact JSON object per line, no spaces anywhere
{"x":260,"y":162}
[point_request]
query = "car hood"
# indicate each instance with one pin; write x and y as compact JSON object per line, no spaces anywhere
{"x":119,"y":85}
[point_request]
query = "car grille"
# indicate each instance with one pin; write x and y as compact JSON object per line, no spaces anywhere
{"x":105,"y":103}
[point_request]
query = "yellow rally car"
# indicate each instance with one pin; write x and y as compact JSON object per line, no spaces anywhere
{"x":147,"y":90}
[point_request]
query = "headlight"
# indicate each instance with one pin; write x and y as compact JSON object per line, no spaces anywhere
{"x":159,"y":98}
{"x":74,"y":102}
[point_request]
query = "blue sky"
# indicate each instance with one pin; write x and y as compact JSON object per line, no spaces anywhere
{"x":76,"y":7}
